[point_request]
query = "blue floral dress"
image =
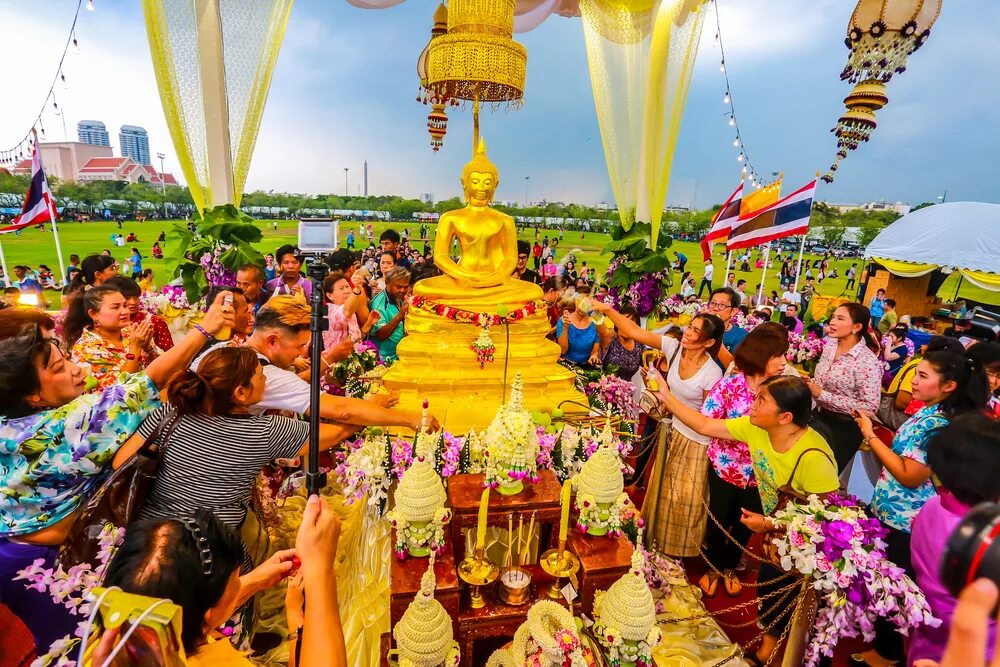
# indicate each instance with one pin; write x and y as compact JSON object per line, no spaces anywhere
{"x":894,"y":504}
{"x":52,"y":460}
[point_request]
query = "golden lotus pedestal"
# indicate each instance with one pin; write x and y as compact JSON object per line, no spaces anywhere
{"x":436,"y":363}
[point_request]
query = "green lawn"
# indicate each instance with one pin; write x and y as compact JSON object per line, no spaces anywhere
{"x":34,"y":247}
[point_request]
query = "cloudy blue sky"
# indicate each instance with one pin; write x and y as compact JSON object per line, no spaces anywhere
{"x":345,"y":84}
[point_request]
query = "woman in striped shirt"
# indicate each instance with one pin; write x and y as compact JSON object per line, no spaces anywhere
{"x":212,"y":447}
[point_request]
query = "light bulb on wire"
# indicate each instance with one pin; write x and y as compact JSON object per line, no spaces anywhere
{"x":740,"y":158}
{"x":722,"y":66}
{"x":736,"y":142}
{"x":90,"y":5}
{"x":726,"y":98}
{"x":732,"y":121}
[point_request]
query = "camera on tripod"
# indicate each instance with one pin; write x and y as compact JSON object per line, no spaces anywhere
{"x":317,"y":238}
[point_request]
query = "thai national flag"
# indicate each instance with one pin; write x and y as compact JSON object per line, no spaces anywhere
{"x":38,"y":202}
{"x":789,"y":216}
{"x":723,"y":221}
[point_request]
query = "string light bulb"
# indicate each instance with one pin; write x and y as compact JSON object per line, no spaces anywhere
{"x":732,"y":121}
{"x":722,"y":66}
{"x":726,"y":99}
{"x":740,"y":158}
{"x":90,"y":5}
{"x":736,"y":142}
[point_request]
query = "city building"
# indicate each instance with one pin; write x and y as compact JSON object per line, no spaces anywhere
{"x":64,"y":159}
{"x":898,"y":207}
{"x":134,"y":143}
{"x":76,"y":162}
{"x":92,"y":132}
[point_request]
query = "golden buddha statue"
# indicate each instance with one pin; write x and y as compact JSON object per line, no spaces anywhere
{"x":483,"y":278}
{"x":436,"y":358}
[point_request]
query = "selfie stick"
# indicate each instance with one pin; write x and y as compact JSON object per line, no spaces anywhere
{"x":315,"y":480}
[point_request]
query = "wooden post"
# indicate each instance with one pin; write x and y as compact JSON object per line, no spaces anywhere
{"x":215,"y":103}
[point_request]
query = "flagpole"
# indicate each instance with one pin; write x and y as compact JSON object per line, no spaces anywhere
{"x":3,"y":264}
{"x":763,"y":273}
{"x":729,"y":262}
{"x":52,"y":215}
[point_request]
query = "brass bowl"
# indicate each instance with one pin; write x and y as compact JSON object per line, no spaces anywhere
{"x":515,"y":587}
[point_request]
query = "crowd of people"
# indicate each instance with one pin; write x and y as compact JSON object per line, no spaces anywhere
{"x":733,"y":429}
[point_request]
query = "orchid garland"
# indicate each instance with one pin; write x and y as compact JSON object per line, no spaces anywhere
{"x":71,"y":588}
{"x":613,"y":394}
{"x":841,"y":549}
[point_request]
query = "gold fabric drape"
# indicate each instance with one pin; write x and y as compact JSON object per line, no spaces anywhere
{"x":641,"y":55}
{"x":252,"y":34}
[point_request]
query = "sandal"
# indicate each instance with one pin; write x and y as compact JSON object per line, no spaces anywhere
{"x":709,"y":584}
{"x":753,"y":659}
{"x":732,"y":583}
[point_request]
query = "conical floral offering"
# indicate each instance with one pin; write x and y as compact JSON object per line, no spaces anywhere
{"x":511,"y":445}
{"x":424,"y":635}
{"x":419,"y":515}
{"x":625,"y":618}
{"x":601,"y":501}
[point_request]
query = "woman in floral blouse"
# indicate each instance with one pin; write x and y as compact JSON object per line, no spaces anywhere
{"x":100,"y":332}
{"x":132,"y":292}
{"x":948,"y":384}
{"x":731,"y":482}
{"x":848,"y":377}
{"x":56,"y":448}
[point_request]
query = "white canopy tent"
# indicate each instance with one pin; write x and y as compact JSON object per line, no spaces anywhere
{"x":959,"y":236}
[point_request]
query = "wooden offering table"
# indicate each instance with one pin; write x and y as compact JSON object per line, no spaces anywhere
{"x":406,"y":575}
{"x":603,"y":561}
{"x":384,"y":646}
{"x":465,"y":491}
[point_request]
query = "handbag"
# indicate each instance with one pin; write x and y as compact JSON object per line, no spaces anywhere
{"x":648,"y":402}
{"x":787,"y":494}
{"x":887,"y":412}
{"x":118,"y":499}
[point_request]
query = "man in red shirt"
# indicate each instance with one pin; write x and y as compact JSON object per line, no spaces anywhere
{"x":536,"y":252}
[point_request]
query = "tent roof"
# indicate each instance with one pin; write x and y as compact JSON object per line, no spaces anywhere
{"x":962,"y":235}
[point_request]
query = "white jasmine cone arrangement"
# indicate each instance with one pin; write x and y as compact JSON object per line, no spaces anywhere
{"x":625,"y":618}
{"x":600,"y":493}
{"x":424,"y":635}
{"x":511,"y":455}
{"x":419,"y":515}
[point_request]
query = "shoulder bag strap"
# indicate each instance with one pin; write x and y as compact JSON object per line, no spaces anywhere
{"x":799,"y":460}
{"x":160,"y":435}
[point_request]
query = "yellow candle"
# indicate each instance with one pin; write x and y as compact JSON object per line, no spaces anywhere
{"x":520,"y":527}
{"x":528,"y":538}
{"x":510,"y":540}
{"x":484,"y":504}
{"x":564,"y":517}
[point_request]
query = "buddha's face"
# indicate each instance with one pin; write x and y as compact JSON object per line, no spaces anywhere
{"x":479,"y":188}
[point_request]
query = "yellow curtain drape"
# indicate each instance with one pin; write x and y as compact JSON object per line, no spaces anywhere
{"x":906,"y":269}
{"x":641,"y":55}
{"x":984,"y":279}
{"x":253,"y":31}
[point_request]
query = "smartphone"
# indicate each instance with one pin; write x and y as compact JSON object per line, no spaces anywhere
{"x":225,"y":333}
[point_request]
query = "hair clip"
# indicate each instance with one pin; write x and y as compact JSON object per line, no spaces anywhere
{"x":201,"y":543}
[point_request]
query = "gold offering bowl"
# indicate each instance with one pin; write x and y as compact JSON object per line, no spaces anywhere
{"x":477,"y":572}
{"x":559,"y":563}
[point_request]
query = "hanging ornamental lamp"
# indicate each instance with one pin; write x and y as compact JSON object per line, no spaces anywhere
{"x":437,"y":119}
{"x":881,"y":36}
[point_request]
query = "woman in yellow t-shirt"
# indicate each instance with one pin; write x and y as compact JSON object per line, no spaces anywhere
{"x":785,"y":451}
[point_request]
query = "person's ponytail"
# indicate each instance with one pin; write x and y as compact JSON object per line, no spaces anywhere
{"x":187,"y":392}
{"x":972,"y":389}
{"x":78,"y":314}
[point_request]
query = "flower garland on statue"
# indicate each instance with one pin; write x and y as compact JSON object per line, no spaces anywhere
{"x":502,"y":316}
{"x":675,"y":308}
{"x":71,"y":588}
{"x":483,"y":346}
{"x":837,"y":545}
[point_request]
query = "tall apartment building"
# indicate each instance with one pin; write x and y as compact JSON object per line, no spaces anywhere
{"x":92,"y":132}
{"x":134,"y":142}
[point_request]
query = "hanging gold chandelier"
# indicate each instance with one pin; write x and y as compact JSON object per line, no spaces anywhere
{"x":881,"y":36}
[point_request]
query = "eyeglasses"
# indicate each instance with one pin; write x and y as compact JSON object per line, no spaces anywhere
{"x":715,"y":305}
{"x":522,"y":257}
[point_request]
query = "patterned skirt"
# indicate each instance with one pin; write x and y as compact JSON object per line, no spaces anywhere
{"x":674,"y":509}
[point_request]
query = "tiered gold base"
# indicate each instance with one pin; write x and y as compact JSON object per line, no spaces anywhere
{"x":436,"y":363}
